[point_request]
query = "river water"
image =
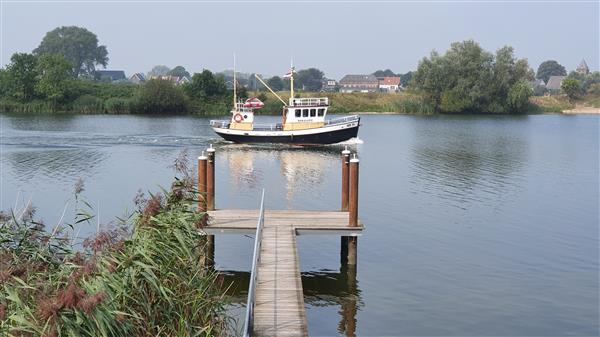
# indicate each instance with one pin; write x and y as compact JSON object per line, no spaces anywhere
{"x":475,"y":225}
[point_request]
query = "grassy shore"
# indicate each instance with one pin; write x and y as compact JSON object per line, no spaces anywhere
{"x":341,"y":103}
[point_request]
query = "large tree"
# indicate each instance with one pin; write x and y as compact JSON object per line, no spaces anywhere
{"x":276,"y":83}
{"x":550,"y":68}
{"x":179,"y":71}
{"x":206,"y":85}
{"x":78,"y":45}
{"x":572,"y":87}
{"x":310,"y":79}
{"x":384,"y":73}
{"x":54,"y":77}
{"x":469,"y":79}
{"x":158,"y":70}
{"x":22,"y":72}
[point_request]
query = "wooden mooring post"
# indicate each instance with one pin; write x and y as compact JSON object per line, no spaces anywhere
{"x":206,"y":190}
{"x":348,"y":250}
{"x":210,"y":202}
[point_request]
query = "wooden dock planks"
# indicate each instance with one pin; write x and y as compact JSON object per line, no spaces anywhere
{"x":279,"y":307}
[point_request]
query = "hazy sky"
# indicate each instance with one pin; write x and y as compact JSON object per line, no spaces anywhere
{"x":339,"y":38}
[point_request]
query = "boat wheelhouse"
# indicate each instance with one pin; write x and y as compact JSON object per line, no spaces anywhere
{"x":303,"y":122}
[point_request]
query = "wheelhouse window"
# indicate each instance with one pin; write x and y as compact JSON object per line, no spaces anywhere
{"x":321,"y":112}
{"x":313,"y":112}
{"x":304,"y":112}
{"x":298,"y":113}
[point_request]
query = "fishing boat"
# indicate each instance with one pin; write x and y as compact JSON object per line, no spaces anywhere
{"x":303,"y":121}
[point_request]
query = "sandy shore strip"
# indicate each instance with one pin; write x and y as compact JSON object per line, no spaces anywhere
{"x":582,"y":110}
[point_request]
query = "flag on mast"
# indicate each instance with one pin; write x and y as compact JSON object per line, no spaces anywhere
{"x":289,"y":73}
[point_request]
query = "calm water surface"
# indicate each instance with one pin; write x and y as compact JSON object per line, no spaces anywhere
{"x":476,"y":226}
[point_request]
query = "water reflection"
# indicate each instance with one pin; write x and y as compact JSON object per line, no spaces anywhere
{"x":466,"y":164}
{"x":303,"y":169}
{"x":321,"y":289}
{"x":53,"y":165}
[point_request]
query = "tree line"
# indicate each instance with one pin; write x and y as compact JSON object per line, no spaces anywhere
{"x":60,"y":75}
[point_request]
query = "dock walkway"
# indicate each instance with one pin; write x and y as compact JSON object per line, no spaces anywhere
{"x":279,"y":300}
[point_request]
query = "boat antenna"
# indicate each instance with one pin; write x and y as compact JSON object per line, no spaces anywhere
{"x":291,"y":78}
{"x":271,"y":90}
{"x":234,"y":84}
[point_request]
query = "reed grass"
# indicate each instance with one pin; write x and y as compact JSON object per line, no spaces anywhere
{"x":140,"y":278}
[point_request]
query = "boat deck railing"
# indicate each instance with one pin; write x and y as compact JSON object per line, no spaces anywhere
{"x":342,"y":120}
{"x":310,"y":101}
{"x":279,"y":127}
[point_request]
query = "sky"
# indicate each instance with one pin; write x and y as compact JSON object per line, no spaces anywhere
{"x":338,"y":37}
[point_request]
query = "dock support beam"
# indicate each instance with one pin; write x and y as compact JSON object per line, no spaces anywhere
{"x":210,"y":201}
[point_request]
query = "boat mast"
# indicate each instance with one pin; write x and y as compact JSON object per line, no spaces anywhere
{"x":291,"y":79}
{"x":234,"y":84}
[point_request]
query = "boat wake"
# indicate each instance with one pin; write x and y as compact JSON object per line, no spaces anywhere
{"x":352,"y":141}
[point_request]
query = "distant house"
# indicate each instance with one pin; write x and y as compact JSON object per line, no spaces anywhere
{"x":137,"y":78}
{"x":536,"y":83}
{"x":359,"y":83}
{"x":184,"y":80}
{"x":554,"y":83}
{"x":329,"y":85}
{"x":389,"y":84}
{"x":173,"y":79}
{"x":583,"y":68}
{"x":109,"y":75}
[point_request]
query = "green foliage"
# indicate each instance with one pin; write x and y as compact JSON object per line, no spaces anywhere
{"x":518,"y":96}
{"x":405,"y":79}
{"x":178,"y":71}
{"x":276,"y":83}
{"x":469,"y":79}
{"x":205,"y":86}
{"x":22,"y":71}
{"x":54,"y":77}
{"x":140,"y":279}
{"x":310,"y":79}
{"x":117,"y":105}
{"x":87,"y":104}
{"x":550,"y":68}
{"x":159,"y":70}
{"x":572,"y":87}
{"x":160,"y":96}
{"x":78,"y":45}
{"x":384,"y":73}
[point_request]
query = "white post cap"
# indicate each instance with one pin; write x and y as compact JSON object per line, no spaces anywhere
{"x":202,"y":157}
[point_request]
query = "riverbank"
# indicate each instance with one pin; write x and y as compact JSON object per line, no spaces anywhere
{"x":341,"y":103}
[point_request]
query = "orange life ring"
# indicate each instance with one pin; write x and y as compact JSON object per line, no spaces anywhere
{"x":238,"y":117}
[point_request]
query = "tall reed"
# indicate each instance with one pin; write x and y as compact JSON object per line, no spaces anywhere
{"x":142,"y":280}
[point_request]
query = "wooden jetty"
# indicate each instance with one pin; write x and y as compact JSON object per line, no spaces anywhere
{"x":275,"y":298}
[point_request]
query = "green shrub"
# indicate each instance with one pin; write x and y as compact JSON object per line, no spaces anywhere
{"x":117,"y":105}
{"x":87,"y":104}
